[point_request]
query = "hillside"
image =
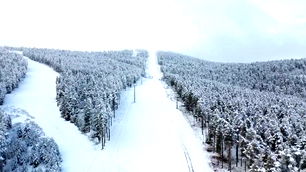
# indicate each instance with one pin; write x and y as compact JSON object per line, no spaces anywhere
{"x":90,"y":102}
{"x":254,"y":113}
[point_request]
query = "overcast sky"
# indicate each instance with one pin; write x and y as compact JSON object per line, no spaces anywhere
{"x":217,"y":30}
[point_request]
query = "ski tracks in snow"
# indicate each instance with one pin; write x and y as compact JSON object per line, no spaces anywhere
{"x":188,"y":159}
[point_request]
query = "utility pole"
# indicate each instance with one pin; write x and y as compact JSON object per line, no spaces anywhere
{"x":134,"y":89}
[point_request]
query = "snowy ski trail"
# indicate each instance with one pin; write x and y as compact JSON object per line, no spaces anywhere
{"x":36,"y":94}
{"x":150,"y":135}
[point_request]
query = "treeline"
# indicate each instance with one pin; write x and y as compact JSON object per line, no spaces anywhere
{"x":281,"y":77}
{"x":89,"y":85}
{"x":12,"y":69}
{"x":259,"y":128}
{"x":24,"y":147}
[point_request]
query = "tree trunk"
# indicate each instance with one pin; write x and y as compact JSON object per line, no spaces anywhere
{"x":111,"y":121}
{"x":241,"y":162}
{"x":202,"y":124}
{"x":108,"y":131}
{"x":102,"y":139}
{"x":229,"y":157}
{"x":222,"y":149}
{"x":214,"y":144}
{"x":114,"y":108}
{"x":237,"y":154}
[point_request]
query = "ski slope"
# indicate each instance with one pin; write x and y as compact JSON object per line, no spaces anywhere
{"x":150,"y":135}
{"x":36,"y":95}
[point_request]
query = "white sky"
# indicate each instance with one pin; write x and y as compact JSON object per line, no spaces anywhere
{"x":218,"y":30}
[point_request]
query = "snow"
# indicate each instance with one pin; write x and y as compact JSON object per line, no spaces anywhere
{"x":36,"y":95}
{"x":149,"y":135}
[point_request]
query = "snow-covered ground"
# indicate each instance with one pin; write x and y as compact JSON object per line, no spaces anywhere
{"x":150,"y":135}
{"x":36,"y":95}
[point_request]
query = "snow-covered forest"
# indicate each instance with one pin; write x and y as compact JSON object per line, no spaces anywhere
{"x":24,"y":146}
{"x":13,"y":69}
{"x":88,"y":93}
{"x":254,"y":114}
{"x":90,"y":83}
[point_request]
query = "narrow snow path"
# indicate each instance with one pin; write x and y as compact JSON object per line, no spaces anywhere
{"x":36,"y":95}
{"x":150,"y":135}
